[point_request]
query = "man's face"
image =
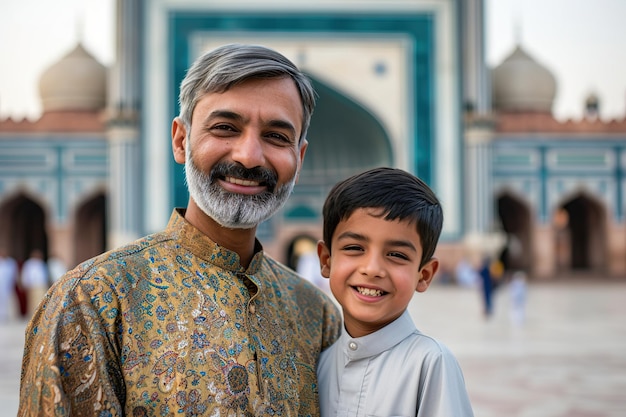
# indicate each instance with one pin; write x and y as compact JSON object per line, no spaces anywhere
{"x":242,"y":155}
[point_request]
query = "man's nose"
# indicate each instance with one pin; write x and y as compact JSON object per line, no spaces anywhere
{"x":248,"y":150}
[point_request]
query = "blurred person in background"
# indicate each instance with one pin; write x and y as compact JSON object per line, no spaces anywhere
{"x":56,"y":267}
{"x":518,"y":289}
{"x":8,"y":280}
{"x":308,"y":265}
{"x":34,"y":279}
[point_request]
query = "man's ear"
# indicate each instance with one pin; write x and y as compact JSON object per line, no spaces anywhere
{"x":179,"y":140}
{"x":323,"y":254}
{"x":427,"y":273}
{"x":302,"y":151}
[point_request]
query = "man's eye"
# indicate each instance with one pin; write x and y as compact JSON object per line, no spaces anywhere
{"x":279,"y":138}
{"x":223,"y":127}
{"x":352,"y":248}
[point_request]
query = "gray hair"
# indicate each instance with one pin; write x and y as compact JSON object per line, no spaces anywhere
{"x":218,"y":70}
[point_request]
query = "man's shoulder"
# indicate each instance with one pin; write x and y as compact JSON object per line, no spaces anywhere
{"x":128,"y":256}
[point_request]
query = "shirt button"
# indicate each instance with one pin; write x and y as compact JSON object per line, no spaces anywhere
{"x":251,"y":308}
{"x":353,"y":345}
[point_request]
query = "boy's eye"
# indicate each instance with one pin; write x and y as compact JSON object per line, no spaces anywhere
{"x":399,"y":255}
{"x":352,"y":248}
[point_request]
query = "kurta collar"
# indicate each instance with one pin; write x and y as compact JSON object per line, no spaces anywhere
{"x":379,"y":341}
{"x":194,"y":240}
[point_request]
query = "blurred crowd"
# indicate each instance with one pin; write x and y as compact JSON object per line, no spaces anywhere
{"x":23,"y":284}
{"x":492,"y":268}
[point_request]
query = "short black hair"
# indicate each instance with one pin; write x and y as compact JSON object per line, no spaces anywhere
{"x":398,"y":194}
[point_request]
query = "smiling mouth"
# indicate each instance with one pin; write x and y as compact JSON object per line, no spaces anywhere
{"x":371,"y":292}
{"x":240,"y":181}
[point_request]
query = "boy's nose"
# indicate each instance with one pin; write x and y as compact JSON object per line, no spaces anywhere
{"x":373,"y":267}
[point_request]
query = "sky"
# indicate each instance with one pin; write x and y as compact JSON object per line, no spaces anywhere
{"x":583,"y":43}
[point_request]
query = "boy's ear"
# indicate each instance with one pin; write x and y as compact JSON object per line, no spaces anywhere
{"x":427,"y":273}
{"x":324,"y":254}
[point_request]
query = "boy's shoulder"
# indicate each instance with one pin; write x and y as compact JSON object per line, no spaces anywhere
{"x":426,"y":343}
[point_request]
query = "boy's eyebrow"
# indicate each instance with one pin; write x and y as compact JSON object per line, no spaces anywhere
{"x":360,"y":237}
{"x":402,"y":243}
{"x":351,"y":235}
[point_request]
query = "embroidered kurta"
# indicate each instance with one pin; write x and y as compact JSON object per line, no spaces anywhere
{"x":174,"y":325}
{"x":396,"y":371}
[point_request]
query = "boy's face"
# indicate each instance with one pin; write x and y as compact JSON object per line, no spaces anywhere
{"x":374,"y":269}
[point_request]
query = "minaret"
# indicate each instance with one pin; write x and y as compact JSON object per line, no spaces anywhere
{"x":124,"y":109}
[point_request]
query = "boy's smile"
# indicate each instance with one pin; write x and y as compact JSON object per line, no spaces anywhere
{"x":374,"y":269}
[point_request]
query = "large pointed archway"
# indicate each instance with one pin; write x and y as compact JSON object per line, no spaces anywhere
{"x":344,"y":138}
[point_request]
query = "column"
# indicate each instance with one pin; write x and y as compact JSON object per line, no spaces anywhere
{"x":123,"y":132}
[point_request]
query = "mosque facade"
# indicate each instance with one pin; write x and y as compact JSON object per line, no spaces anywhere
{"x":400,"y":83}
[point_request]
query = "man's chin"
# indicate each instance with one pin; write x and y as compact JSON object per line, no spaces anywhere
{"x":235,"y":226}
{"x":227,"y":221}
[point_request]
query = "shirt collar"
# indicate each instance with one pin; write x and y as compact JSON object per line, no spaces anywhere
{"x":201,"y":246}
{"x":384,"y":339}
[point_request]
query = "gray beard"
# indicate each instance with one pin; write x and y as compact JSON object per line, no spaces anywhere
{"x":231,"y":210}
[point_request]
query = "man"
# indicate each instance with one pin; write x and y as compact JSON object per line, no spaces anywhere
{"x":197,"y":319}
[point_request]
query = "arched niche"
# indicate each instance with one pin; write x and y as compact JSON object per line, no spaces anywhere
{"x":23,"y":227}
{"x":515,"y":217}
{"x":90,"y":231}
{"x":581,"y":227}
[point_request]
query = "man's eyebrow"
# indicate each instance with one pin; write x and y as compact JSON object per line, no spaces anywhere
{"x":226,"y":114}
{"x":282,"y":124}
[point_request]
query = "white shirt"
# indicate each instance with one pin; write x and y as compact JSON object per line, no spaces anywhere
{"x":309,"y":268}
{"x":396,"y":371}
{"x":34,"y":273}
{"x":8,"y":274}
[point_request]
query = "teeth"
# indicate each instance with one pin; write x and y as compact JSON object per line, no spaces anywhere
{"x":369,"y":291}
{"x":239,"y":181}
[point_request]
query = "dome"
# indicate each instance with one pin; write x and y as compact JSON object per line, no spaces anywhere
{"x":521,"y":83}
{"x":76,"y":82}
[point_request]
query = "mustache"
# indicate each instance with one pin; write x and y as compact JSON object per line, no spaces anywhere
{"x":263,"y":176}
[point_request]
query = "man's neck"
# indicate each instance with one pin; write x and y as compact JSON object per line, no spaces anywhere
{"x":240,"y":241}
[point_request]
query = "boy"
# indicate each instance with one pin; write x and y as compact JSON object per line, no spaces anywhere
{"x":381,"y":228}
